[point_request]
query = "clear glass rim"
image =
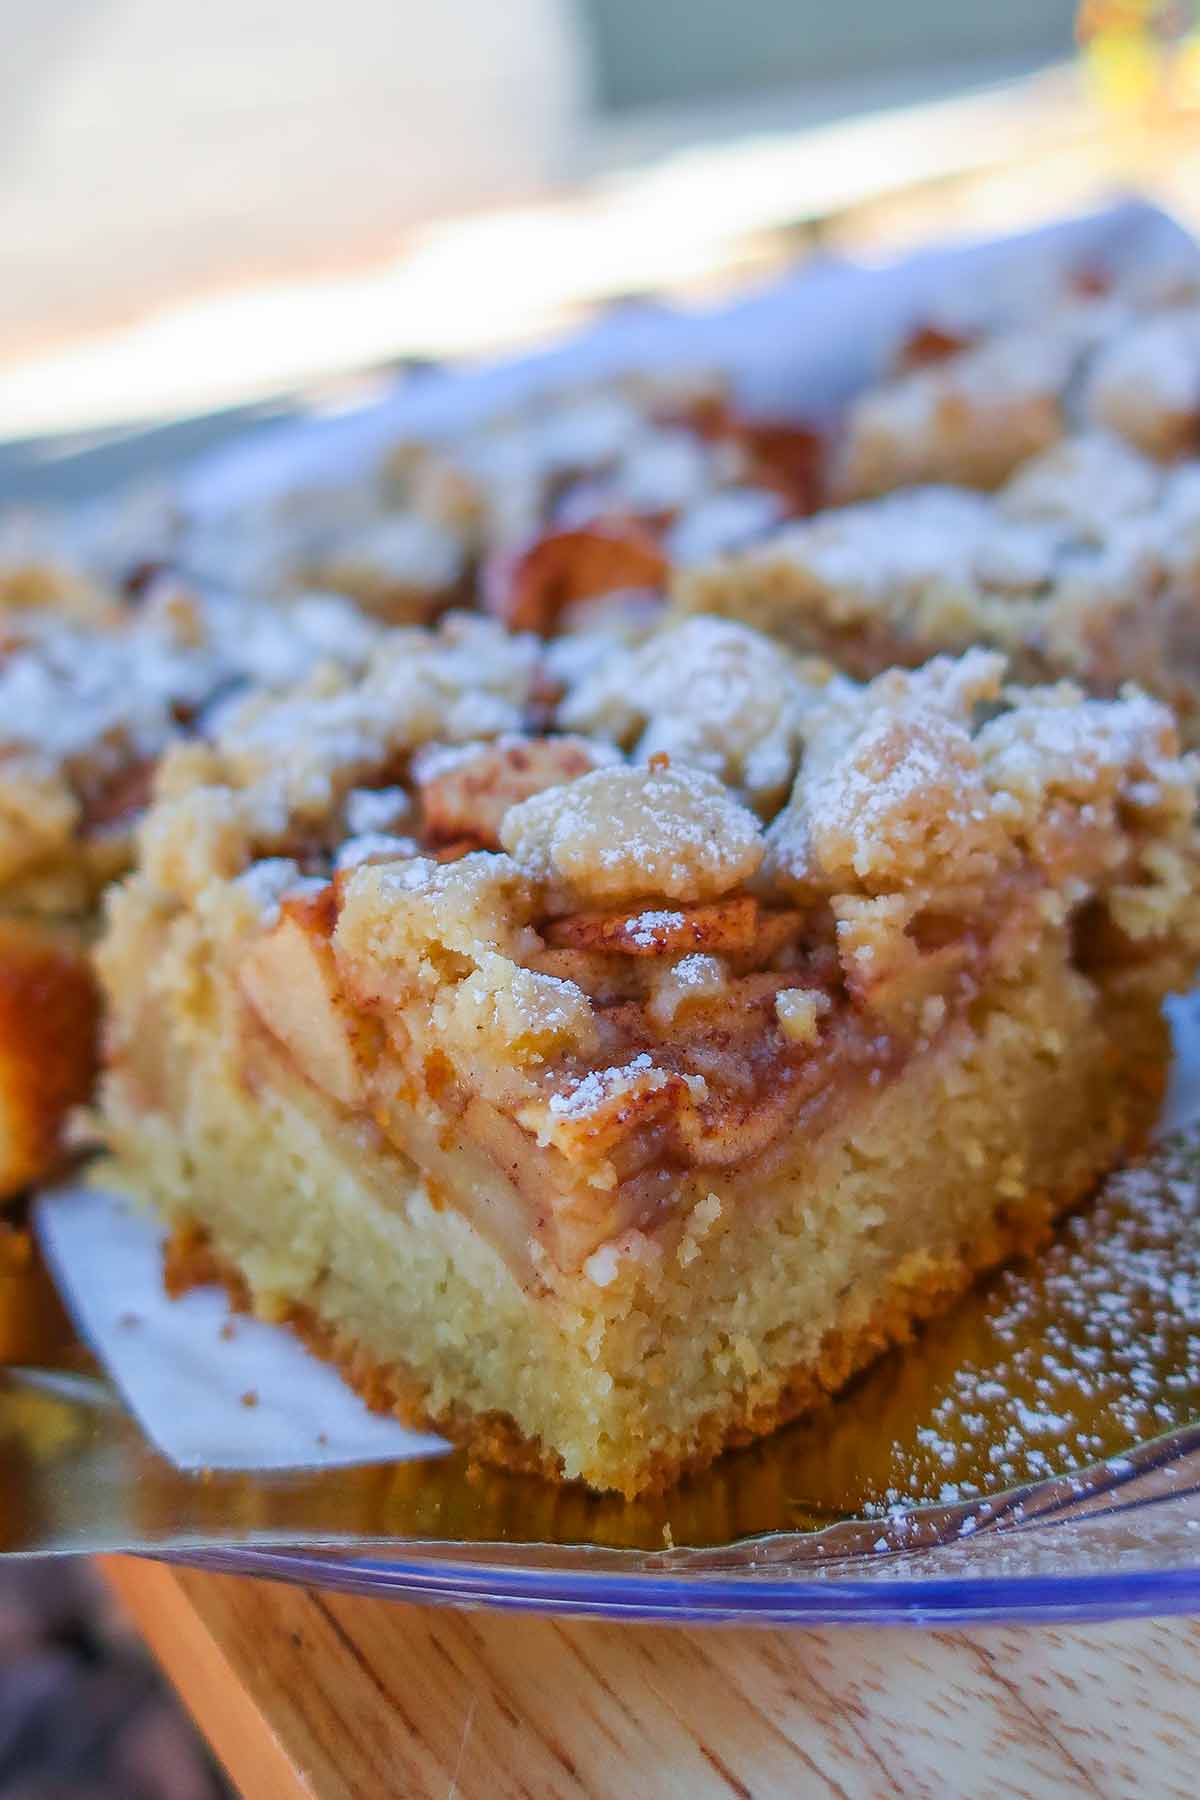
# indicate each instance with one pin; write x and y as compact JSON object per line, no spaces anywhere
{"x":721,"y":1599}
{"x":753,"y":1582}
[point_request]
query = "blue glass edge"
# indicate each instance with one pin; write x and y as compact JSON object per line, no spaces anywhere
{"x":1013,"y":1599}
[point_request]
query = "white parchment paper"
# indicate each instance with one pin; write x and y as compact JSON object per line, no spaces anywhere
{"x":211,"y":1390}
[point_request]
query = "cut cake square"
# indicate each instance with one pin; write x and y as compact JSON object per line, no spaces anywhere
{"x":602,"y":1073}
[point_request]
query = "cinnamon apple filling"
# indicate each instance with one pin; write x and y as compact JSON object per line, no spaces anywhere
{"x":720,"y":1035}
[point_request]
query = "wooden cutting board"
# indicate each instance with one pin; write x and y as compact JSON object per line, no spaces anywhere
{"x":306,"y":1693}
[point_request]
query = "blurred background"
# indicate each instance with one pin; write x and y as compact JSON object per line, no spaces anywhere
{"x":206,"y":205}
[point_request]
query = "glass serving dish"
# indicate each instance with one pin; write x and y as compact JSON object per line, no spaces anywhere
{"x":1035,"y":1455}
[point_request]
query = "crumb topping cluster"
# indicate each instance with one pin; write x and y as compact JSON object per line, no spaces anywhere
{"x":708,"y":694}
{"x":589,"y":490}
{"x":621,"y":832}
{"x":970,"y":409}
{"x":87,"y":706}
{"x":1087,"y":563}
{"x":1145,"y":384}
{"x":84,"y":562}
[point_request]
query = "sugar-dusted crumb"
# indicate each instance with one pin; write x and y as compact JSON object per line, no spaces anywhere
{"x":971,"y":419}
{"x":1146,"y":383}
{"x":693,"y":979}
{"x":1124,"y":359}
{"x":87,"y":709}
{"x":1085,"y":564}
{"x":799,"y":1011}
{"x":891,"y":795}
{"x":708,"y":693}
{"x":618,"y":833}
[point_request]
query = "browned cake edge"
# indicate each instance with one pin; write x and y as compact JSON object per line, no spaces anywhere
{"x":909,"y":1300}
{"x":49,"y":1045}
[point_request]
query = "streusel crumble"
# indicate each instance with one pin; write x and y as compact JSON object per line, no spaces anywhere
{"x":969,"y":411}
{"x":1085,"y":564}
{"x":588,"y":490}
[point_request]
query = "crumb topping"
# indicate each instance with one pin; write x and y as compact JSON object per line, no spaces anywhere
{"x":1122,"y":359}
{"x":621,"y":832}
{"x":970,"y":417}
{"x":87,"y":709}
{"x":370,"y":810}
{"x":1087,"y":482}
{"x":1146,"y":384}
{"x":928,"y":545}
{"x":799,"y":1011}
{"x":68,"y":692}
{"x":1087,"y":564}
{"x":402,"y":566}
{"x":707,"y":693}
{"x":890,"y":794}
{"x":319,"y":740}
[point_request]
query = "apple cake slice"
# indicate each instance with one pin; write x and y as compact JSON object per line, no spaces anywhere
{"x":606,"y":1091}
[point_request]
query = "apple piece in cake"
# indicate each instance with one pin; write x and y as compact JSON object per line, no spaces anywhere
{"x":1086,"y":564}
{"x":625,"y":1118}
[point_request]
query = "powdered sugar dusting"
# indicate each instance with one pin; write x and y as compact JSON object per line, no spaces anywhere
{"x":601,"y":1086}
{"x":374,"y":846}
{"x":1058,"y":1364}
{"x":708,"y":693}
{"x":119,"y":690}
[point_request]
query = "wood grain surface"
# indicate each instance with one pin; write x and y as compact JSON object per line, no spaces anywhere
{"x":306,"y":1693}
